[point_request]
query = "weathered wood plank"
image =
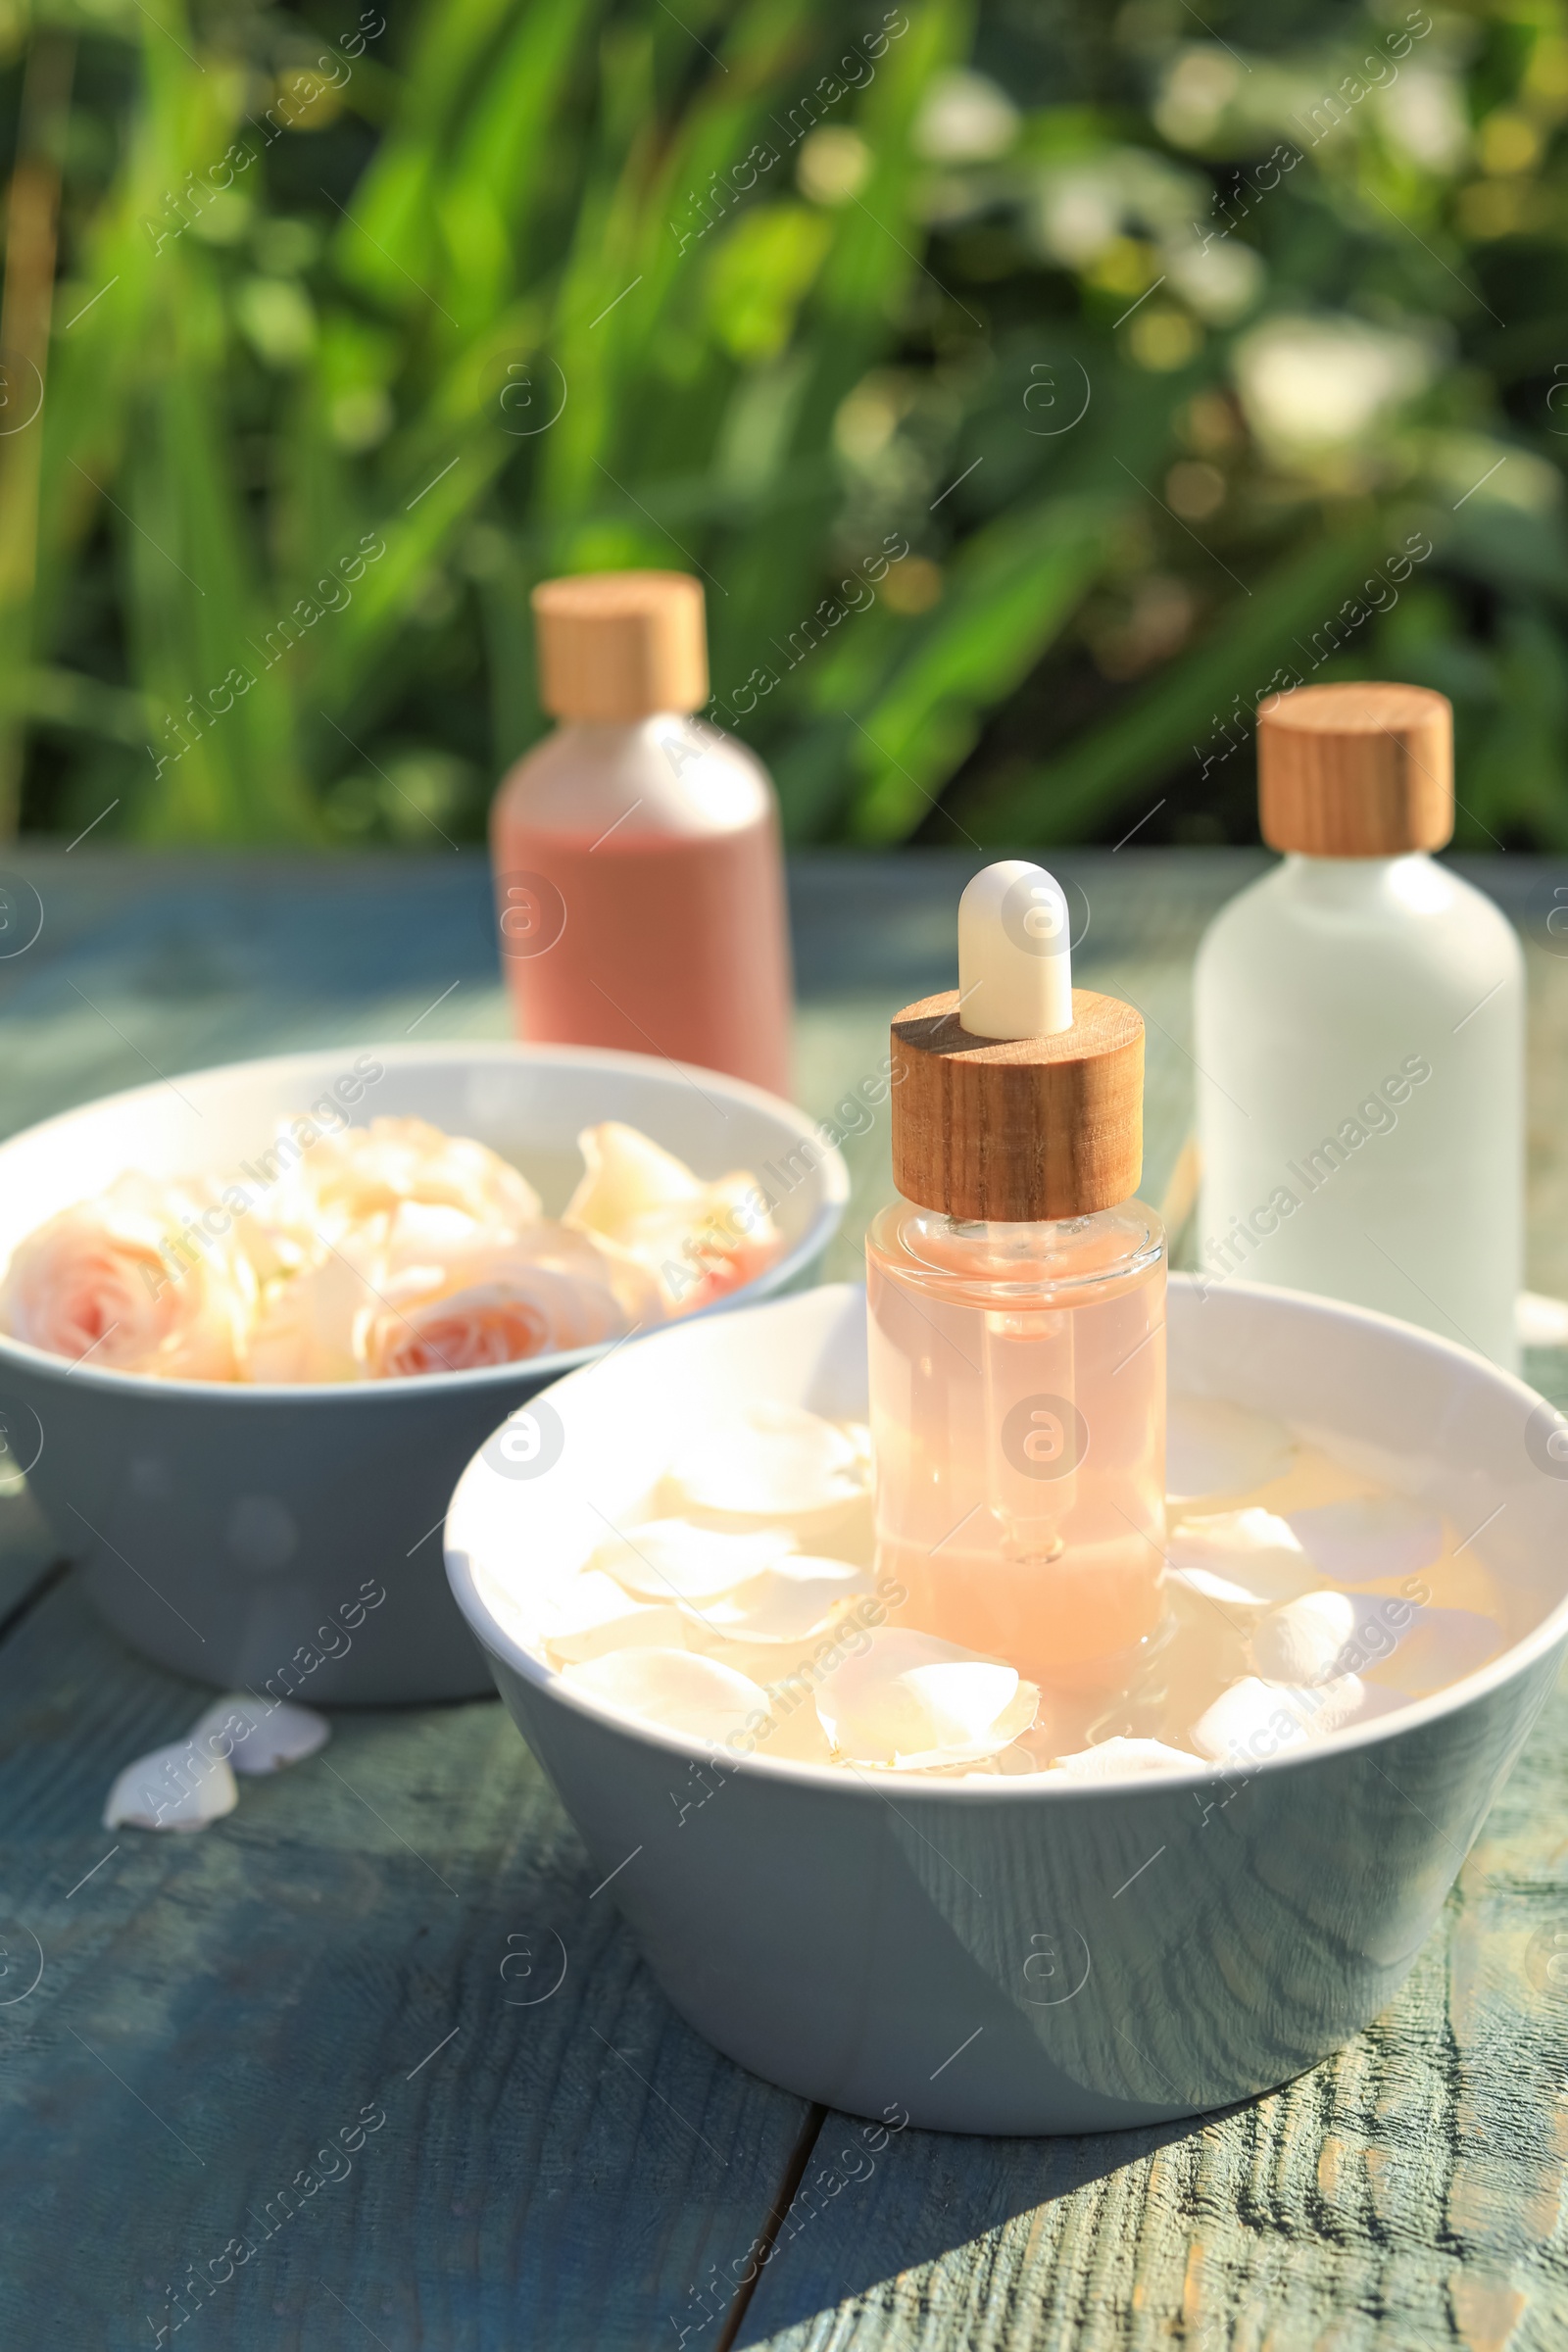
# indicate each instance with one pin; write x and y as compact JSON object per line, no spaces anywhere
{"x":372,"y":1929}
{"x":1405,"y":2193}
{"x":28,"y":1550}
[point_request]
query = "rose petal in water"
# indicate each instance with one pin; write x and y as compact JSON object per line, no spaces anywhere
{"x":1214,"y":1449}
{"x":910,"y":1699}
{"x":1254,"y":1720}
{"x":670,"y":1559}
{"x":1121,"y":1759}
{"x":594,"y":1615}
{"x":1426,"y":1652}
{"x":1369,"y":1537}
{"x":1243,"y":1559}
{"x":674,"y":1689}
{"x":790,"y":1601}
{"x":1305,"y":1641}
{"x":770,"y":1460}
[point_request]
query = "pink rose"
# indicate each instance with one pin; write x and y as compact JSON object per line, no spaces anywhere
{"x":498,"y":1301}
{"x":109,"y":1282}
{"x":698,"y":1240}
{"x":430,"y":1289}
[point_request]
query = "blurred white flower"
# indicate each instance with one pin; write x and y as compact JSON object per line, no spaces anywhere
{"x":966,"y":118}
{"x":1310,"y":385}
{"x":1079,"y":215}
{"x":1080,"y":209}
{"x":1197,"y":90}
{"x":1221,"y":281}
{"x":1424,"y":114}
{"x":834,"y":164}
{"x":1477,"y":471}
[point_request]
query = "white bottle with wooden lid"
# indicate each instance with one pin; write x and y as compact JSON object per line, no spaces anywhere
{"x":1359,"y":1034}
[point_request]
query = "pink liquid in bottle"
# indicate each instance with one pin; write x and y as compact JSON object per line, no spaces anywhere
{"x":640,"y":899}
{"x":639,"y":880}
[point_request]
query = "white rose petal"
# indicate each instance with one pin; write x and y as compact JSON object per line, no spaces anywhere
{"x":1243,"y":1559}
{"x":674,"y":1689}
{"x":697,"y":1240}
{"x":594,"y":1614}
{"x":175,"y":1787}
{"x":670,"y":1559}
{"x":260,"y":1734}
{"x":1124,"y":1759}
{"x":790,"y":1601}
{"x":773,"y":1460}
{"x":1253,"y":1720}
{"x":1303,"y":1640}
{"x":793,"y":1730}
{"x":1214,"y":1449}
{"x":911,"y":1699}
{"x":1371,"y":1537}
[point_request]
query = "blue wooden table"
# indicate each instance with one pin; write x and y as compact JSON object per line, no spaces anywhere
{"x":373,"y":2060}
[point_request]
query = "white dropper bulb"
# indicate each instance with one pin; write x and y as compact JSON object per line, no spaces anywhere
{"x":1014,"y":952}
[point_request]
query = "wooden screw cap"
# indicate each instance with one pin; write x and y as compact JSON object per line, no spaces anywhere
{"x":1014,"y":1130}
{"x":1355,"y":771}
{"x":621,"y":645}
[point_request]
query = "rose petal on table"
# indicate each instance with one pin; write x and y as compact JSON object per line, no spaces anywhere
{"x":676,"y":1688}
{"x":1243,"y":1559}
{"x":1122,"y":1758}
{"x":1305,"y":1641}
{"x":258,"y":1735}
{"x":173,"y":1788}
{"x":1214,"y":1449}
{"x":670,"y":1559}
{"x":771,"y":1461}
{"x":1369,"y":1537}
{"x":794,"y":1599}
{"x":1253,"y":1720}
{"x":910,"y":1699}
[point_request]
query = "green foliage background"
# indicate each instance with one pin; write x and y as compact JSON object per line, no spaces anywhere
{"x":1152,"y":338}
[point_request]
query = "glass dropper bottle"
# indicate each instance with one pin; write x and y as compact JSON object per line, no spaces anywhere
{"x":1016,"y":1297}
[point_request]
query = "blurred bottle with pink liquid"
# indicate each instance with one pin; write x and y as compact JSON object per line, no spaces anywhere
{"x":638,"y":877}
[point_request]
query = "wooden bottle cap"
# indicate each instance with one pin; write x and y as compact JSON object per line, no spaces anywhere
{"x":1356,"y":771}
{"x":621,"y":645}
{"x":1014,"y":1130}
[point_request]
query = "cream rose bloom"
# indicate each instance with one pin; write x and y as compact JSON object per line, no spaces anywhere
{"x":698,"y":1240}
{"x":431,"y":1290}
{"x":378,"y":1254}
{"x":105,"y":1281}
{"x":367,"y":1171}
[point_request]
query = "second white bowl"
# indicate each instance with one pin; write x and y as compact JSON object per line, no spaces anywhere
{"x":1027,"y":1954}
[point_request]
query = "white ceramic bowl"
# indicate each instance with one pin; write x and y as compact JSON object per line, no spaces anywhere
{"x":230,"y":1529}
{"x":1012,"y":1955}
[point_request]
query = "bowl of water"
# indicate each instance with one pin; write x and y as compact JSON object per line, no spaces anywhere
{"x":1012,"y":1944}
